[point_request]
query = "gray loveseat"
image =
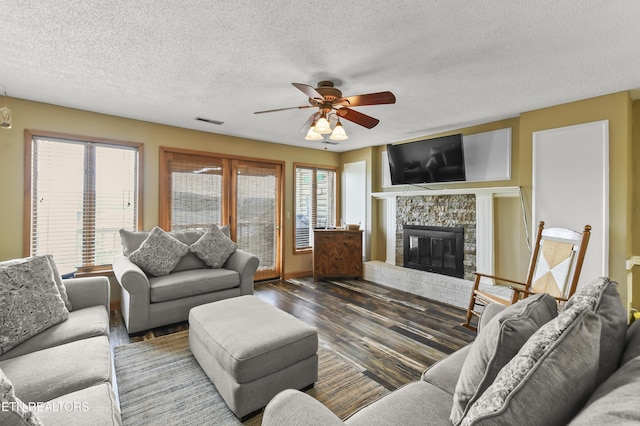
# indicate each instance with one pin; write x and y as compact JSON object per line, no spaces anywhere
{"x":582,"y":367}
{"x":65,"y":372}
{"x":151,"y":301}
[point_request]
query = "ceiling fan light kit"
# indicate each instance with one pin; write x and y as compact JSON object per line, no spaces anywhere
{"x":328,"y":99}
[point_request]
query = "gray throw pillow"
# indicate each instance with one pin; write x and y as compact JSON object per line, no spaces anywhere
{"x":14,"y":411}
{"x":603,"y":297}
{"x":159,"y":253}
{"x":56,"y":275}
{"x":550,"y":378}
{"x":214,"y":248}
{"x":59,"y":283}
{"x":496,"y":344}
{"x":29,"y":301}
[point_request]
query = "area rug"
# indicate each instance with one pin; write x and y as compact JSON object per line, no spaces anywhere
{"x":160,"y":382}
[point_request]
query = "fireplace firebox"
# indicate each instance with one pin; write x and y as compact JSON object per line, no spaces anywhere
{"x":434,"y":249}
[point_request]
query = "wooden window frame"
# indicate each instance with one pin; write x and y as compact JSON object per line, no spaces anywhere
{"x":29,"y":135}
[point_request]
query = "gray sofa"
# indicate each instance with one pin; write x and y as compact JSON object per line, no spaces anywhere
{"x":589,"y":375}
{"x":152,"y":301}
{"x":65,"y":371}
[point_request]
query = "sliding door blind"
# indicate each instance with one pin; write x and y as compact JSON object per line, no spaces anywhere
{"x":256,"y":212}
{"x":82,"y":193}
{"x":196,"y":192}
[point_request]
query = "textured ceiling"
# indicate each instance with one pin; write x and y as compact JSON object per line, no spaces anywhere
{"x":449,"y":63}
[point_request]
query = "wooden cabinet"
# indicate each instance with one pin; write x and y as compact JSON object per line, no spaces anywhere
{"x":337,"y":253}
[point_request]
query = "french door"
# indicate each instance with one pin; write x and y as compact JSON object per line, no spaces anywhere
{"x":198,"y":189}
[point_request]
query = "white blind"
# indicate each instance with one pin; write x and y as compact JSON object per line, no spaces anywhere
{"x":196,"y":192}
{"x":315,"y":202}
{"x":82,"y":193}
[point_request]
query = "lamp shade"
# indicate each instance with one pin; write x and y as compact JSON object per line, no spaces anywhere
{"x":312,"y":135}
{"x":322,"y":126}
{"x":338,"y":133}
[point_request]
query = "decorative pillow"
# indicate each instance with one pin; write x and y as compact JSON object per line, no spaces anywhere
{"x":557,"y":368}
{"x":214,"y":248}
{"x":159,"y":253}
{"x":29,"y":301}
{"x":603,"y":297}
{"x":499,"y":341}
{"x":14,"y":411}
{"x":59,"y":283}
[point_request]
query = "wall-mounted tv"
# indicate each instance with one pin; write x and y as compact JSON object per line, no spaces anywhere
{"x":427,"y":161}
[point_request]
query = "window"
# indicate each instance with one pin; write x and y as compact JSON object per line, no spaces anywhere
{"x":315,"y":202}
{"x":80,"y":193}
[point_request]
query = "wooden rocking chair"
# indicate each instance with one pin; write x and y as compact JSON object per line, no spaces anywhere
{"x":556,"y":263}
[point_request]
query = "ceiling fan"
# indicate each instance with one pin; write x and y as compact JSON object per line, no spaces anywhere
{"x":328,"y":99}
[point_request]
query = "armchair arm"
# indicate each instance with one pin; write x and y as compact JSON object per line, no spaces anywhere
{"x":294,"y":408}
{"x":88,"y":291}
{"x":500,"y":279}
{"x":130,"y":276}
{"x":134,"y":294}
{"x":246,"y":264}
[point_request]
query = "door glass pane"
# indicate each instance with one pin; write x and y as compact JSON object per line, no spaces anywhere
{"x":256,"y":215}
{"x":196,"y":193}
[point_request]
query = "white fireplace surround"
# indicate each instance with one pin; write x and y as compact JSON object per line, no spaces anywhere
{"x":454,"y":291}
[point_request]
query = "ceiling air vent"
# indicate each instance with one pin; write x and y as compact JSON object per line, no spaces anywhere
{"x":208,"y":120}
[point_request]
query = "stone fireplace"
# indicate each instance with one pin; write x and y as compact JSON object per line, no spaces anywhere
{"x":447,"y":211}
{"x":470,"y":209}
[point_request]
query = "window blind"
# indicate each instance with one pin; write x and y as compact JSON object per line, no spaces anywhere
{"x":196,"y":192}
{"x":315,"y":203}
{"x":82,"y":193}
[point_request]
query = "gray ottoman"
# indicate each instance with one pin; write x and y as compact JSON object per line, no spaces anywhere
{"x":251,"y":351}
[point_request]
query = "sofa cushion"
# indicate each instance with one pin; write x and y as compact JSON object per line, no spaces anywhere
{"x":415,"y":404}
{"x":159,"y":253}
{"x":81,"y":324}
{"x":616,"y":400}
{"x":214,"y":248}
{"x":14,"y":412}
{"x":602,"y":295}
{"x":191,"y":283}
{"x":95,"y":406}
{"x":632,"y":346}
{"x":496,"y":344}
{"x":63,"y":368}
{"x":29,"y":301}
{"x":444,"y":374}
{"x":557,"y":367}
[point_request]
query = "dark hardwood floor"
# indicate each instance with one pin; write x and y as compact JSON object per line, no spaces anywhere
{"x":389,"y":335}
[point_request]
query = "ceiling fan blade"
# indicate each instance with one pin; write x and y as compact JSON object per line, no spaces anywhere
{"x":358,"y":117}
{"x":309,"y":91}
{"x":284,"y":109}
{"x":368,"y":99}
{"x":308,"y":123}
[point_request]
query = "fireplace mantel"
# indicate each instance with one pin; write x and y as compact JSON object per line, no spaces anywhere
{"x":410,"y":191}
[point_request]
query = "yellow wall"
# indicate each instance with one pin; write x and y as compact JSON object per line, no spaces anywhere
{"x":617,"y":109}
{"x":45,"y":117}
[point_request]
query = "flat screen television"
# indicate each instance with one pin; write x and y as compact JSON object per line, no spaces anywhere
{"x":427,"y":161}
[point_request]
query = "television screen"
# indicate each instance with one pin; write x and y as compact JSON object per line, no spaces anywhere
{"x":427,"y":161}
